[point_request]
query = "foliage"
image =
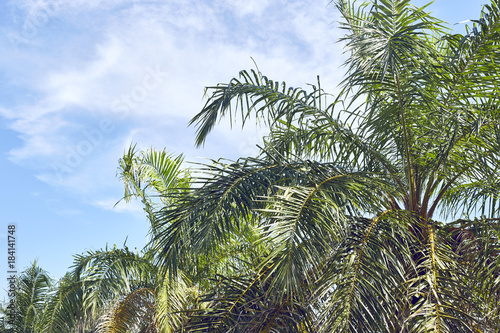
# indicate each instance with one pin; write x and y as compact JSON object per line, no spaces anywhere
{"x":376,"y":211}
{"x":151,"y":176}
{"x":32,"y":291}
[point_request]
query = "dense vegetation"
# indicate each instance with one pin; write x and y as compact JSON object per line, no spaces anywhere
{"x":376,"y":210}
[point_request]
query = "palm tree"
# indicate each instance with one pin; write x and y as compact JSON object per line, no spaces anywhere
{"x":130,"y":292}
{"x":125,"y":291}
{"x":33,"y":289}
{"x":377,"y":211}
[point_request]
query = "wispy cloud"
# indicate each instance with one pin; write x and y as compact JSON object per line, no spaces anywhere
{"x":141,"y":67}
{"x":120,"y":206}
{"x":62,"y":209}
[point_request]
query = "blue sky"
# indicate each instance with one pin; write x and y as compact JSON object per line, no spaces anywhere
{"x":82,"y":79}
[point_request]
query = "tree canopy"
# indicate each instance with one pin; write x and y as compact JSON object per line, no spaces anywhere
{"x":377,"y":209}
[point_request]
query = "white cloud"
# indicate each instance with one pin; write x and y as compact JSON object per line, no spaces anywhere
{"x":34,"y":146}
{"x":118,"y":206}
{"x":244,"y":7}
{"x":88,"y":85}
{"x":143,"y":66}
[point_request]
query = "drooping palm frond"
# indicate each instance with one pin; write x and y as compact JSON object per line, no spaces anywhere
{"x":475,"y":244}
{"x":65,"y":311}
{"x":248,"y":304}
{"x":306,"y":223}
{"x":110,"y":274}
{"x":132,"y":312}
{"x":204,"y":218}
{"x":253,"y":93}
{"x":124,"y":291}
{"x":359,"y":293}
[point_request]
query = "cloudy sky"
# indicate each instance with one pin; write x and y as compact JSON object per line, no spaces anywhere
{"x":83,"y":79}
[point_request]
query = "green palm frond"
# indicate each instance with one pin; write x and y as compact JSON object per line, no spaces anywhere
{"x":110,"y":273}
{"x":247,"y":303}
{"x":253,"y":93}
{"x":224,"y":203}
{"x":307,"y":223}
{"x":65,"y":312}
{"x":33,"y":287}
{"x":152,"y":176}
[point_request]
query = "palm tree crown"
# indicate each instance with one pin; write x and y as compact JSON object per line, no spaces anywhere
{"x":376,"y":211}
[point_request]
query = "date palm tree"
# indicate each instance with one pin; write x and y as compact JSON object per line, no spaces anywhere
{"x":374,"y":211}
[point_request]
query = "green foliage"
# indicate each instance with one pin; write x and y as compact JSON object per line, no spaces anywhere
{"x":151,"y":176}
{"x":33,"y":288}
{"x":376,"y":211}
